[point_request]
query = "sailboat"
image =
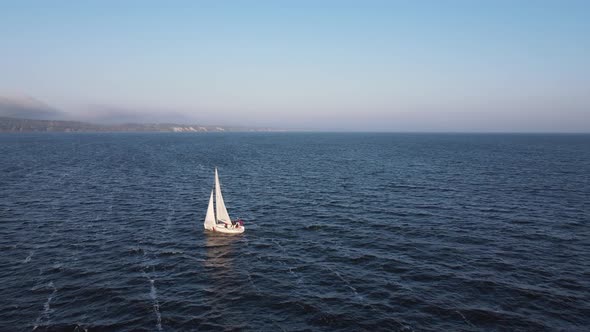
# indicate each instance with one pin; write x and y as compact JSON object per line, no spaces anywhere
{"x":218,"y":220}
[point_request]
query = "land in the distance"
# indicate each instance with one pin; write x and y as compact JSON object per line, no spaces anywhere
{"x":28,"y":114}
{"x":14,"y":125}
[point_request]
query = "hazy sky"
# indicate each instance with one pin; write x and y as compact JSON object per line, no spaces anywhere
{"x":331,"y":65}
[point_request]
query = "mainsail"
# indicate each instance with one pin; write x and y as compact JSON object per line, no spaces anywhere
{"x":210,"y":217}
{"x":222,"y":214}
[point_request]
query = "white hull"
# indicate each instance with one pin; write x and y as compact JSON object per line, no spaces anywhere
{"x":220,"y":228}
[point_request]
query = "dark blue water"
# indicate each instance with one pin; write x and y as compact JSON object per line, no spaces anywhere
{"x":345,"y":232}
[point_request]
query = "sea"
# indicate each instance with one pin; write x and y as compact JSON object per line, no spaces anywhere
{"x":344,"y":232}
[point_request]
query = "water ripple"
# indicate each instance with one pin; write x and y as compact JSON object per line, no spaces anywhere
{"x":345,"y":232}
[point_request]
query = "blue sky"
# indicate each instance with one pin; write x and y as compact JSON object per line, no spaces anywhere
{"x":324,"y":65}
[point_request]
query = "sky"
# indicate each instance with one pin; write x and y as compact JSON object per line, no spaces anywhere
{"x":491,"y":66}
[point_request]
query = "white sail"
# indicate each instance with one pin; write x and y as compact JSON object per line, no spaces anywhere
{"x":210,"y":217}
{"x":222,"y":214}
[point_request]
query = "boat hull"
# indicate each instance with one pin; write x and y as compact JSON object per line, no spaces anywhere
{"x":228,"y":230}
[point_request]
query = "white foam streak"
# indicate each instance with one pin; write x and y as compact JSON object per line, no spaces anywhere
{"x":28,"y":259}
{"x":293,"y":273}
{"x":46,"y":307}
{"x":347,"y":283}
{"x":464,"y":318}
{"x":154,"y":297}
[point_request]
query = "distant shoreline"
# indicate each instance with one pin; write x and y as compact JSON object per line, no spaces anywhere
{"x":19,"y":125}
